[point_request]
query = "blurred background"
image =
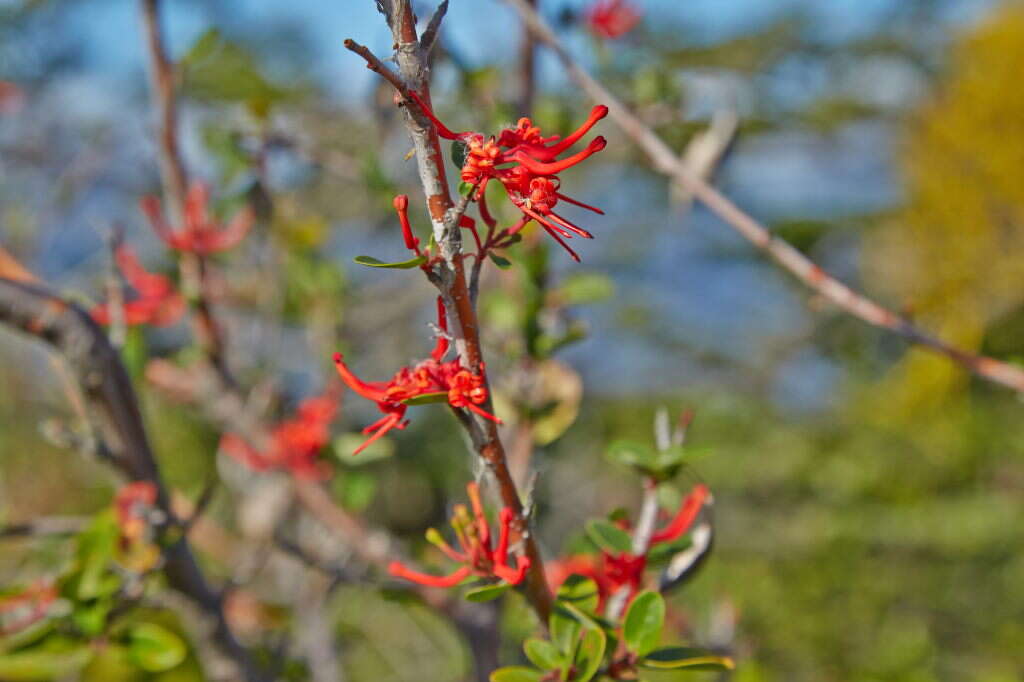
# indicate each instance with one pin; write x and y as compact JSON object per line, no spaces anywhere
{"x":868,"y":495}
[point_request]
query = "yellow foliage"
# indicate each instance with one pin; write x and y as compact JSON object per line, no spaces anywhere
{"x":955,"y":254}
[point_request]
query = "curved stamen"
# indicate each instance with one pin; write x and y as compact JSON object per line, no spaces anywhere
{"x":399,"y":571}
{"x":575,"y":228}
{"x":596,"y":114}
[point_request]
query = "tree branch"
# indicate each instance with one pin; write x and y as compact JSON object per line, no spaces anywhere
{"x":113,"y":407}
{"x":781,"y":252}
{"x":174,"y":179}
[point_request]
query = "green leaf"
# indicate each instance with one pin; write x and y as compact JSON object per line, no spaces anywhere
{"x":674,"y":657}
{"x":43,"y":664}
{"x":487,"y":592}
{"x":543,"y":654}
{"x":460,"y":150}
{"x":565,"y":629}
{"x":609,"y":537}
{"x":663,"y":552}
{"x":20,"y":639}
{"x":644,"y":620}
{"x":216,"y":69}
{"x":661,"y":464}
{"x":580,"y":592}
{"x":585,"y":287}
{"x":96,"y":546}
{"x":465,"y":188}
{"x":631,"y":453}
{"x":500,"y":261}
{"x":589,"y":655}
{"x":91,"y":617}
{"x":516,"y":674}
{"x":427,"y":399}
{"x":372,"y":262}
{"x":154,"y":648}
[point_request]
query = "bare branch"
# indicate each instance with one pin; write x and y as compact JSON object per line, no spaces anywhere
{"x":785,"y":255}
{"x":433,"y":27}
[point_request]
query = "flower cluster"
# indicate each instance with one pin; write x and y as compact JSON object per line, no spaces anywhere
{"x":294,"y":444}
{"x":612,"y":572}
{"x":201,"y":234}
{"x":132,"y":505}
{"x":22,"y":609}
{"x":612,"y":18}
{"x":135,"y":514}
{"x":156,"y":301}
{"x":527,"y":165}
{"x":478,"y":556}
{"x":432,"y":380}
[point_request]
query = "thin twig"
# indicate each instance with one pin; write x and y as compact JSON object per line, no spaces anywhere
{"x":527,"y":68}
{"x":784,"y":254}
{"x":44,"y":527}
{"x":174,"y":179}
{"x":433,"y":27}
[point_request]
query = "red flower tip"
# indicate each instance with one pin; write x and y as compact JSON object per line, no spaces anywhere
{"x":685,"y":517}
{"x":200,"y":233}
{"x":401,"y":202}
{"x":612,"y":18}
{"x":156,"y":301}
{"x":294,"y":444}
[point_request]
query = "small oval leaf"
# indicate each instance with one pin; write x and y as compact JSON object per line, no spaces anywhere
{"x":516,"y":674}
{"x":674,"y":657}
{"x":580,"y":592}
{"x":487,"y":592}
{"x":372,"y":262}
{"x":543,"y":654}
{"x":644,"y":620}
{"x":427,"y":398}
{"x":609,"y":537}
{"x":154,"y":648}
{"x":589,"y":655}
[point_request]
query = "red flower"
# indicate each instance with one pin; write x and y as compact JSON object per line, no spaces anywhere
{"x":432,"y":380}
{"x":612,"y":18}
{"x":22,"y":609}
{"x":527,"y":164}
{"x":294,"y":443}
{"x":201,"y":233}
{"x":477,"y":557}
{"x":611,"y":572}
{"x":157,"y":302}
{"x":131,"y":507}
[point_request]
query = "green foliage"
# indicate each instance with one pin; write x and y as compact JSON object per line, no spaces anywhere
{"x":641,"y":629}
{"x":658,"y":464}
{"x":218,"y":70}
{"x":609,"y":537}
{"x":486,"y":593}
{"x":372,"y":262}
